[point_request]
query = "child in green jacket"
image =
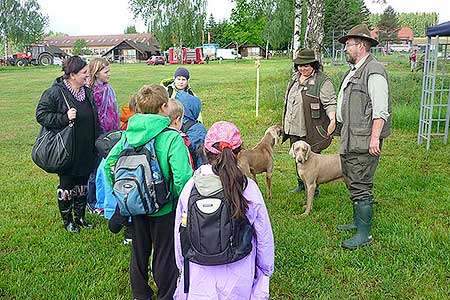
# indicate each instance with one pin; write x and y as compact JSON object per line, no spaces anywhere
{"x":156,"y":230}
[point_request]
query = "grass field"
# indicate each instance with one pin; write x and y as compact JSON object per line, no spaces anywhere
{"x":410,"y":255}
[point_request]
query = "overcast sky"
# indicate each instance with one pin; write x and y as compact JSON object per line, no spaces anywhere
{"x":83,"y":17}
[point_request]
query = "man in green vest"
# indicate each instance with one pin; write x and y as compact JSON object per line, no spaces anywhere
{"x":364,"y":111}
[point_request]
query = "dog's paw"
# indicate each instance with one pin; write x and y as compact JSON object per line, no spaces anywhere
{"x":306,"y":213}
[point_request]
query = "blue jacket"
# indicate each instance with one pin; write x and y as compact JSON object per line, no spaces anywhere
{"x":197,"y":132}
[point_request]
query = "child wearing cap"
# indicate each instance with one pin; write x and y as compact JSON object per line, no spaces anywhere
{"x":179,"y":82}
{"x":155,"y":231}
{"x":247,"y":278}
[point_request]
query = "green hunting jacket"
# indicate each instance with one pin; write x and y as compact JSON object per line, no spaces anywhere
{"x":356,"y":109}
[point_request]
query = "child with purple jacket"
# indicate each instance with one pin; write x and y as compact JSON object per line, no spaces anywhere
{"x":247,"y":278}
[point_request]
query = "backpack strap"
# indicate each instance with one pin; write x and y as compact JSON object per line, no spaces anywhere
{"x":170,"y":90}
{"x":186,"y":126}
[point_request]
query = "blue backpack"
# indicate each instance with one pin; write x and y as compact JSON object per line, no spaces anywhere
{"x":139,"y":185}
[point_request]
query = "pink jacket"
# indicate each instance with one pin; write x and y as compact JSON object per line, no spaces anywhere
{"x":235,"y":280}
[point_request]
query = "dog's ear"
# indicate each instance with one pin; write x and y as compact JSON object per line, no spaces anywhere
{"x":308,"y":151}
{"x":291,"y":151}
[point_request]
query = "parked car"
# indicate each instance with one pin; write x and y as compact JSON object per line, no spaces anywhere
{"x":156,"y":60}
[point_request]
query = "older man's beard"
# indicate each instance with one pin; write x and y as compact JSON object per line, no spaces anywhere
{"x":349,"y":58}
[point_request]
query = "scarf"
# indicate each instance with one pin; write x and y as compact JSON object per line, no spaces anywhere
{"x":105,"y":101}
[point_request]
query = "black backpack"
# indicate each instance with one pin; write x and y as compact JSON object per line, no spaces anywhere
{"x":105,"y":142}
{"x":210,"y":236}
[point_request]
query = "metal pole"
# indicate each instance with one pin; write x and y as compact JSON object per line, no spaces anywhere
{"x":258,"y":64}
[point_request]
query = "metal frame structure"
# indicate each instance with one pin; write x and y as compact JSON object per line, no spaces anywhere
{"x":435,"y":104}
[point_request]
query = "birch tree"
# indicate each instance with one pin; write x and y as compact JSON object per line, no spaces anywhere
{"x":297,"y":26}
{"x":314,"y":27}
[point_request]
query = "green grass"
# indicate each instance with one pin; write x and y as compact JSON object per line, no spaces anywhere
{"x":410,"y":256}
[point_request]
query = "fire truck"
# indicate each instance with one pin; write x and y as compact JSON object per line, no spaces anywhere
{"x":183,"y":55}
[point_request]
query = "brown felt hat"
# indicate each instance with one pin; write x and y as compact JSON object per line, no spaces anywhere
{"x":305,"y":56}
{"x":359,"y":31}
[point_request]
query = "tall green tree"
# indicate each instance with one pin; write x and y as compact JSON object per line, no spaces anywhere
{"x":340,"y":16}
{"x":80,"y":47}
{"x":418,"y":22}
{"x":218,"y":31}
{"x":280,"y":18}
{"x":130,"y":29}
{"x":247,"y":22}
{"x":21,"y":23}
{"x":388,"y":26}
{"x":174,"y":22}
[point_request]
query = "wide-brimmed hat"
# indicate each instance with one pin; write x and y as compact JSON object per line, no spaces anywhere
{"x":359,"y":31}
{"x":222,"y":135}
{"x":305,"y":56}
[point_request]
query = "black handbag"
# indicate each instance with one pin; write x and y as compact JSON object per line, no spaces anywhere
{"x":53,"y":149}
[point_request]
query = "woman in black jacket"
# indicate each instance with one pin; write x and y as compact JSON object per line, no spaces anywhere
{"x":52,"y":112}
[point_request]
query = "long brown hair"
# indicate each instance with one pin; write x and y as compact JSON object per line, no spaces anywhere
{"x":95,"y":66}
{"x":225,"y":165}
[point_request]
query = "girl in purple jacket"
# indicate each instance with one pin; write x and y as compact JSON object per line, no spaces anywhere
{"x":247,"y":278}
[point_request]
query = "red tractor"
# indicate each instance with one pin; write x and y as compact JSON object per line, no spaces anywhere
{"x":37,"y":54}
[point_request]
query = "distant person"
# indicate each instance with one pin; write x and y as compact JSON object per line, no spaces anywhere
{"x":179,"y":82}
{"x":218,"y":196}
{"x":364,"y":108}
{"x":108,"y":113}
{"x":310,"y":107}
{"x":413,"y":60}
{"x":153,"y":234}
{"x":52,"y":112}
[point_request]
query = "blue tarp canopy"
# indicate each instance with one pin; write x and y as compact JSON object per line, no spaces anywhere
{"x":442,"y":29}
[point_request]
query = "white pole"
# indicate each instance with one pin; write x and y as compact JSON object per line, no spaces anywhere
{"x":258,"y":64}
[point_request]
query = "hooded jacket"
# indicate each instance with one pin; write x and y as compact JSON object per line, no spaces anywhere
{"x":170,"y":150}
{"x":197,"y":132}
{"x":245,"y":279}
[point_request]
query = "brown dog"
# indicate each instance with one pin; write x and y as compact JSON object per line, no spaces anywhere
{"x":314,"y":169}
{"x":260,"y":158}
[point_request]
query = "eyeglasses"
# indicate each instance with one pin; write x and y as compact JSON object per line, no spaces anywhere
{"x":347,"y":45}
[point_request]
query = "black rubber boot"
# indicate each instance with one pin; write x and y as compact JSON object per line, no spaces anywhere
{"x":363,"y":221}
{"x":300,"y":187}
{"x":65,"y":205}
{"x":349,"y":226}
{"x":79,"y":211}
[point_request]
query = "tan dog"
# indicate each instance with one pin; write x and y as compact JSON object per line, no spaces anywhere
{"x":314,"y":169}
{"x":260,"y":158}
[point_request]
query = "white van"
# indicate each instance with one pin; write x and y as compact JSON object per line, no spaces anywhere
{"x":227,"y":54}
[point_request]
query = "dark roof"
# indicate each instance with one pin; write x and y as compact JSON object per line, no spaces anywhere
{"x":442,"y":29}
{"x":140,"y":47}
{"x":101,"y":40}
{"x":56,"y":51}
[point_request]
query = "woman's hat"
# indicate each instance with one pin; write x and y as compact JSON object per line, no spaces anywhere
{"x":360,"y":31}
{"x":305,"y":56}
{"x":222,"y":135}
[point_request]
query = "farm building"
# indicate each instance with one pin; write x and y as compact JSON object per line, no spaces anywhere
{"x":139,"y":43}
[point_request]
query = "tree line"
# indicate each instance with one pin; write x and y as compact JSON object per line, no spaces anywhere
{"x":265,"y":23}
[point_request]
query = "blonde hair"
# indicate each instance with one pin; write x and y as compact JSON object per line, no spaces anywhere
{"x":95,"y":66}
{"x":176,"y":109}
{"x":149,"y":98}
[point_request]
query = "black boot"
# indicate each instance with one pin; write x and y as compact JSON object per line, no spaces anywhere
{"x":65,"y":204}
{"x":300,"y":187}
{"x":363,"y":220}
{"x":79,"y":210}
